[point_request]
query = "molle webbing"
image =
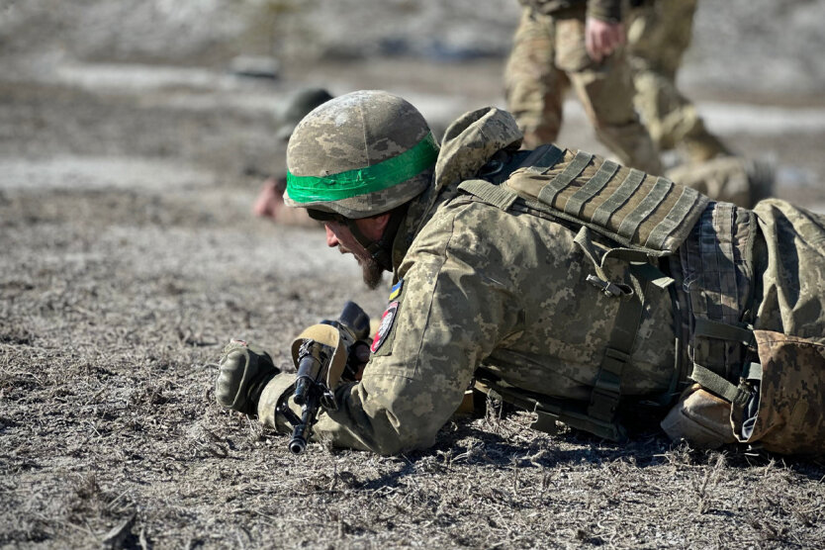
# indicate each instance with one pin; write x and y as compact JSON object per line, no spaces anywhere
{"x":573,"y":170}
{"x":648,"y":205}
{"x":714,"y":272}
{"x":619,"y":197}
{"x":626,"y":205}
{"x":575,"y":203}
{"x":493,"y":194}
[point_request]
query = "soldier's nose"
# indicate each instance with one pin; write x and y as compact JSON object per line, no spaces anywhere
{"x":332,"y":240}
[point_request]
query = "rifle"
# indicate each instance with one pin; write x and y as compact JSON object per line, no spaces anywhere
{"x":322,"y":356}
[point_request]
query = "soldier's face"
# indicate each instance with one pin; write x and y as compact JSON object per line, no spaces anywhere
{"x":339,"y":235}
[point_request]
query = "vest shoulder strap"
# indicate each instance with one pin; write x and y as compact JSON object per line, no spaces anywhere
{"x":492,"y":194}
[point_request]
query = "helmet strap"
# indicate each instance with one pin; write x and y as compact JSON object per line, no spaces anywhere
{"x":381,"y":250}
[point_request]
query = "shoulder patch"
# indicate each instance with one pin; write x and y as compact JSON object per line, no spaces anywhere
{"x":387,"y":321}
{"x":396,"y":289}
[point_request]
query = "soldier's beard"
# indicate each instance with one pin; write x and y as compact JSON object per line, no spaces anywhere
{"x":371,"y":272}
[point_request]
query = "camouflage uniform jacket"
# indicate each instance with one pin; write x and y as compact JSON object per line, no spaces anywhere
{"x":605,"y":10}
{"x":478,"y":286}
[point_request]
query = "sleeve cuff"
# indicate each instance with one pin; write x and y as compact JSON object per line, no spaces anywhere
{"x":271,"y":397}
{"x":610,"y":12}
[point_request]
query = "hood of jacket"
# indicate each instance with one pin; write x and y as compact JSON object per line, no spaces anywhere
{"x":468,"y":144}
{"x":471,"y":141}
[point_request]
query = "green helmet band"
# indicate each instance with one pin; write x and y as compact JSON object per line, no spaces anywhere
{"x":361,"y":181}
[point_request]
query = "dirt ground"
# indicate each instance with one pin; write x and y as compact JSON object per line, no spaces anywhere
{"x":128,"y":258}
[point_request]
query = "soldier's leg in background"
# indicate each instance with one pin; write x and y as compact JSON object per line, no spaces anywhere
{"x":659,"y":33}
{"x":606,"y":91}
{"x":534,"y":87}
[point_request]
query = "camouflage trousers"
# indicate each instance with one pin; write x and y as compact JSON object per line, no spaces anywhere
{"x":659,"y":33}
{"x":547,"y":58}
{"x":766,"y":269}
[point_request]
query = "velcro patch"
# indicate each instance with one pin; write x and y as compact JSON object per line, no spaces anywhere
{"x":387,"y":321}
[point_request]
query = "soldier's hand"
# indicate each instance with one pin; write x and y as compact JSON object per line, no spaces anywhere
{"x":359,"y":356}
{"x":244,"y":371}
{"x":601,"y":38}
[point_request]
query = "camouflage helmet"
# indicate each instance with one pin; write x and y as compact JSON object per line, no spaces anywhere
{"x":359,"y":155}
{"x":296,"y":107}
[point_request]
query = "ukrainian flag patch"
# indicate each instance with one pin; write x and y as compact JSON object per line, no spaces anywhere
{"x":396,"y":290}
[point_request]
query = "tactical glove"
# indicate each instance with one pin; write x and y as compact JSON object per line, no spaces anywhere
{"x":245,"y":371}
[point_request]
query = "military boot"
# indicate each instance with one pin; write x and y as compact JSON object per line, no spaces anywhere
{"x":697,"y":144}
{"x":731,"y":179}
{"x":762,"y":178}
{"x":245,"y":371}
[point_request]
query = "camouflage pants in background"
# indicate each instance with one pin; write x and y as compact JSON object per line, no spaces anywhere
{"x":547,"y":58}
{"x":659,"y":33}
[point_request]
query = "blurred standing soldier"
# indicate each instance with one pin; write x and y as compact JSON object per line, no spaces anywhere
{"x":571,"y":286}
{"x":578,"y":43}
{"x":270,"y":201}
{"x":658,"y":35}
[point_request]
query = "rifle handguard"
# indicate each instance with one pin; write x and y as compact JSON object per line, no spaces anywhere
{"x":328,"y":336}
{"x":320,"y":354}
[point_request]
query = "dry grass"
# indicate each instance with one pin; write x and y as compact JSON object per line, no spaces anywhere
{"x":110,"y":433}
{"x":115,"y":301}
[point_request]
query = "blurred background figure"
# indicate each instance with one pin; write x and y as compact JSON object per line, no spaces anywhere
{"x":578,"y":44}
{"x":581,"y":43}
{"x":270,"y":201}
{"x":659,"y":33}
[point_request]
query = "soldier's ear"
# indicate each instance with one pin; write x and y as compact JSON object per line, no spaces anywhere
{"x":373,"y":227}
{"x":382,"y":220}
